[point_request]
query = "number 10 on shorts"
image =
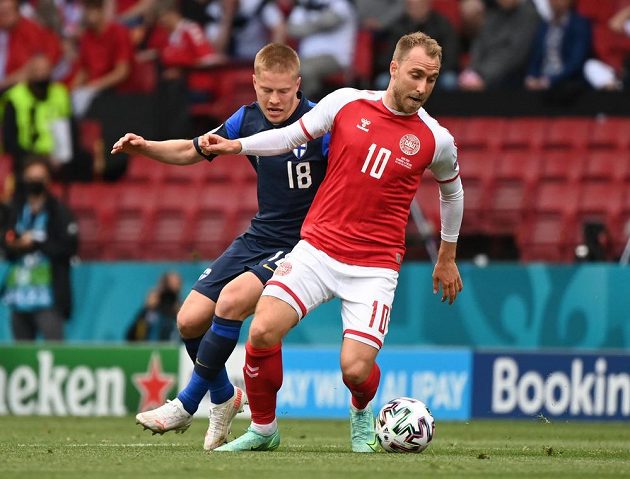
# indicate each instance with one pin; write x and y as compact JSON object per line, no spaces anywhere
{"x":381,"y":318}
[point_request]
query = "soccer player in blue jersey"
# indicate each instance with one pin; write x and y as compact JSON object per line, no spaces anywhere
{"x":226,"y":293}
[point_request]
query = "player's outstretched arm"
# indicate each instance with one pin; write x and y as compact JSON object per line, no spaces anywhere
{"x":446,"y":273}
{"x":173,"y":152}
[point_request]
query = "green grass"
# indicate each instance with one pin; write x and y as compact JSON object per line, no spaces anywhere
{"x":35,"y":447}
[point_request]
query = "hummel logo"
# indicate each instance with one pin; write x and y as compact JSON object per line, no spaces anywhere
{"x":251,"y":371}
{"x":364,"y":124}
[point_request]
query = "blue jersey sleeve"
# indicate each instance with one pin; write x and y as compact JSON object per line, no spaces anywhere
{"x":233,"y":124}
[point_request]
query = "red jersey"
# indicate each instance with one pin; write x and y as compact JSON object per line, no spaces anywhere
{"x":99,"y":53}
{"x":28,"y":38}
{"x":375,"y":162}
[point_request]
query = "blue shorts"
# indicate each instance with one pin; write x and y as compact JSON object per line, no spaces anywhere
{"x":244,"y":254}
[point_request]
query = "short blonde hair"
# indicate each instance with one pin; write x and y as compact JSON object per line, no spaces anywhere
{"x":417,"y":39}
{"x":277,"y":57}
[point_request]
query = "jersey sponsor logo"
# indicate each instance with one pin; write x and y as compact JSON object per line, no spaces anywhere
{"x":364,"y":124}
{"x":300,"y":151}
{"x":410,"y":144}
{"x":206,"y":272}
{"x":284,"y":268}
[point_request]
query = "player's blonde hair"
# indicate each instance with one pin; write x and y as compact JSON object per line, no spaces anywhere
{"x":417,"y":39}
{"x":277,"y":57}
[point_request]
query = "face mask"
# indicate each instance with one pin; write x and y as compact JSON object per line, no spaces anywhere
{"x":34,"y":187}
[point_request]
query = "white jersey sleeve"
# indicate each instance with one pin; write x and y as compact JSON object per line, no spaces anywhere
{"x":313,"y":124}
{"x":445,"y":170}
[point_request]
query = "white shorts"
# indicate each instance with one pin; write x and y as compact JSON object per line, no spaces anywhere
{"x":308,"y":277}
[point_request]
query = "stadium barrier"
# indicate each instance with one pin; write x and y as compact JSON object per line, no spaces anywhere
{"x":502,"y":306}
{"x":456,"y":384}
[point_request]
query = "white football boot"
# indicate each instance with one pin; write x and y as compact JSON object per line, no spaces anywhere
{"x":220,"y":419}
{"x":169,"y":417}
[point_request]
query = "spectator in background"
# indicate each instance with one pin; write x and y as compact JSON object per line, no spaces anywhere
{"x":240,"y":28}
{"x":560,"y":49}
{"x":182,"y":49}
{"x":20,"y":40}
{"x":105,"y":57}
{"x":36,"y":118}
{"x":499,"y":54}
{"x":157,"y":320}
{"x":373,"y":17}
{"x":326,"y":30}
{"x":40,"y":239}
{"x":472,"y":15}
{"x":420,"y":16}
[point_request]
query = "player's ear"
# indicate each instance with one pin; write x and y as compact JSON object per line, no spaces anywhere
{"x":299,"y":82}
{"x":393,"y":67}
{"x":254,"y":79}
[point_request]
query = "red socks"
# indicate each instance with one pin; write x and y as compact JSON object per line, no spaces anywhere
{"x":263,"y":379}
{"x":363,"y":393}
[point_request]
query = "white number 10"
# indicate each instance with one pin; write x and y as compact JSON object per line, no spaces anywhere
{"x":379,"y":162}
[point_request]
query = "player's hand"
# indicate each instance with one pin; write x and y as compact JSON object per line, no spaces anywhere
{"x":212,"y":144}
{"x":447,"y":275}
{"x":130,"y":143}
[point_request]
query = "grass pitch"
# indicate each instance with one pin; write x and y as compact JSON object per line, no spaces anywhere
{"x":68,"y":448}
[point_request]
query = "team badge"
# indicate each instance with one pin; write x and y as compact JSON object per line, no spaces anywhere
{"x":300,"y":151}
{"x":284,"y":268}
{"x":410,"y":144}
{"x":206,"y":272}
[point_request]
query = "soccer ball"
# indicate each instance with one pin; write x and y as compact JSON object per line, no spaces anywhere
{"x":405,"y":425}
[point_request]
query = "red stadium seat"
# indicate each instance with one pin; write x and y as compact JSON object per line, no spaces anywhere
{"x":555,"y":197}
{"x":191,"y":175}
{"x":243,"y":172}
{"x":213,"y":227}
{"x":607,"y":165}
{"x":477,"y":169}
{"x":145,"y":170}
{"x":545,"y":238}
{"x":481,"y":133}
{"x":609,"y":132}
{"x":516,"y":173}
{"x":219,"y":170}
{"x":134,"y":209}
{"x":568,"y":133}
{"x":524,"y":133}
{"x":92,"y":207}
{"x":561,"y":165}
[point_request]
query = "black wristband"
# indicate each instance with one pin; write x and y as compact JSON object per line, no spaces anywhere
{"x":198,"y":148}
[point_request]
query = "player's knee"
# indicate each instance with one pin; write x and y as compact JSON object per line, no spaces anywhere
{"x":191,"y":324}
{"x":235,"y":306}
{"x":355,"y":371}
{"x":263,"y":335}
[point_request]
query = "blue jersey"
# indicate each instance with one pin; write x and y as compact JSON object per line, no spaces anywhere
{"x":287,"y":183}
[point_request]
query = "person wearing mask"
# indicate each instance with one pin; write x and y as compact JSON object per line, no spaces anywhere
{"x":40,"y":239}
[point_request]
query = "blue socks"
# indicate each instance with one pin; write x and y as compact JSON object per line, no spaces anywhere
{"x":215,"y":348}
{"x":192,"y":346}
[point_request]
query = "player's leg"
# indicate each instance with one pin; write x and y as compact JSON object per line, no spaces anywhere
{"x":193,"y":320}
{"x":296,"y":288}
{"x":236,"y":302}
{"x":367,"y":295}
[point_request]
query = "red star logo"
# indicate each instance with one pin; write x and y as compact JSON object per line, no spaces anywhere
{"x":153,"y":385}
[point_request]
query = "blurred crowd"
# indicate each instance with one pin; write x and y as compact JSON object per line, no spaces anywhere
{"x":60,"y":58}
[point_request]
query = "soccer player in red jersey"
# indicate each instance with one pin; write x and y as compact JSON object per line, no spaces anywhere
{"x":353,"y":238}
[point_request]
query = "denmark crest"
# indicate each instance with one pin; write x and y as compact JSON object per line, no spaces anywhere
{"x":410,"y":144}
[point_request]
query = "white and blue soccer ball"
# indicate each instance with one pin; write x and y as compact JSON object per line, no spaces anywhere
{"x":405,"y":425}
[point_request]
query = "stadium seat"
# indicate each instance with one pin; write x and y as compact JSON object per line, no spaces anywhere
{"x":455,"y":125}
{"x":175,"y":210}
{"x":511,"y":192}
{"x":609,"y":132}
{"x":191,"y":175}
{"x":545,"y":238}
{"x":567,"y":133}
{"x":242,"y":171}
{"x":481,"y":133}
{"x":556,"y":197}
{"x":213,"y":227}
{"x":524,"y":133}
{"x":92,"y":206}
{"x":561,"y":165}
{"x":233,"y":89}
{"x":145,"y":170}
{"x":218,"y":171}
{"x":477,"y":169}
{"x":134,"y":209}
{"x":607,"y":165}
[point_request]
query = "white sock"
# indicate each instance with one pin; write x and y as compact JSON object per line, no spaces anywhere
{"x":265,"y":429}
